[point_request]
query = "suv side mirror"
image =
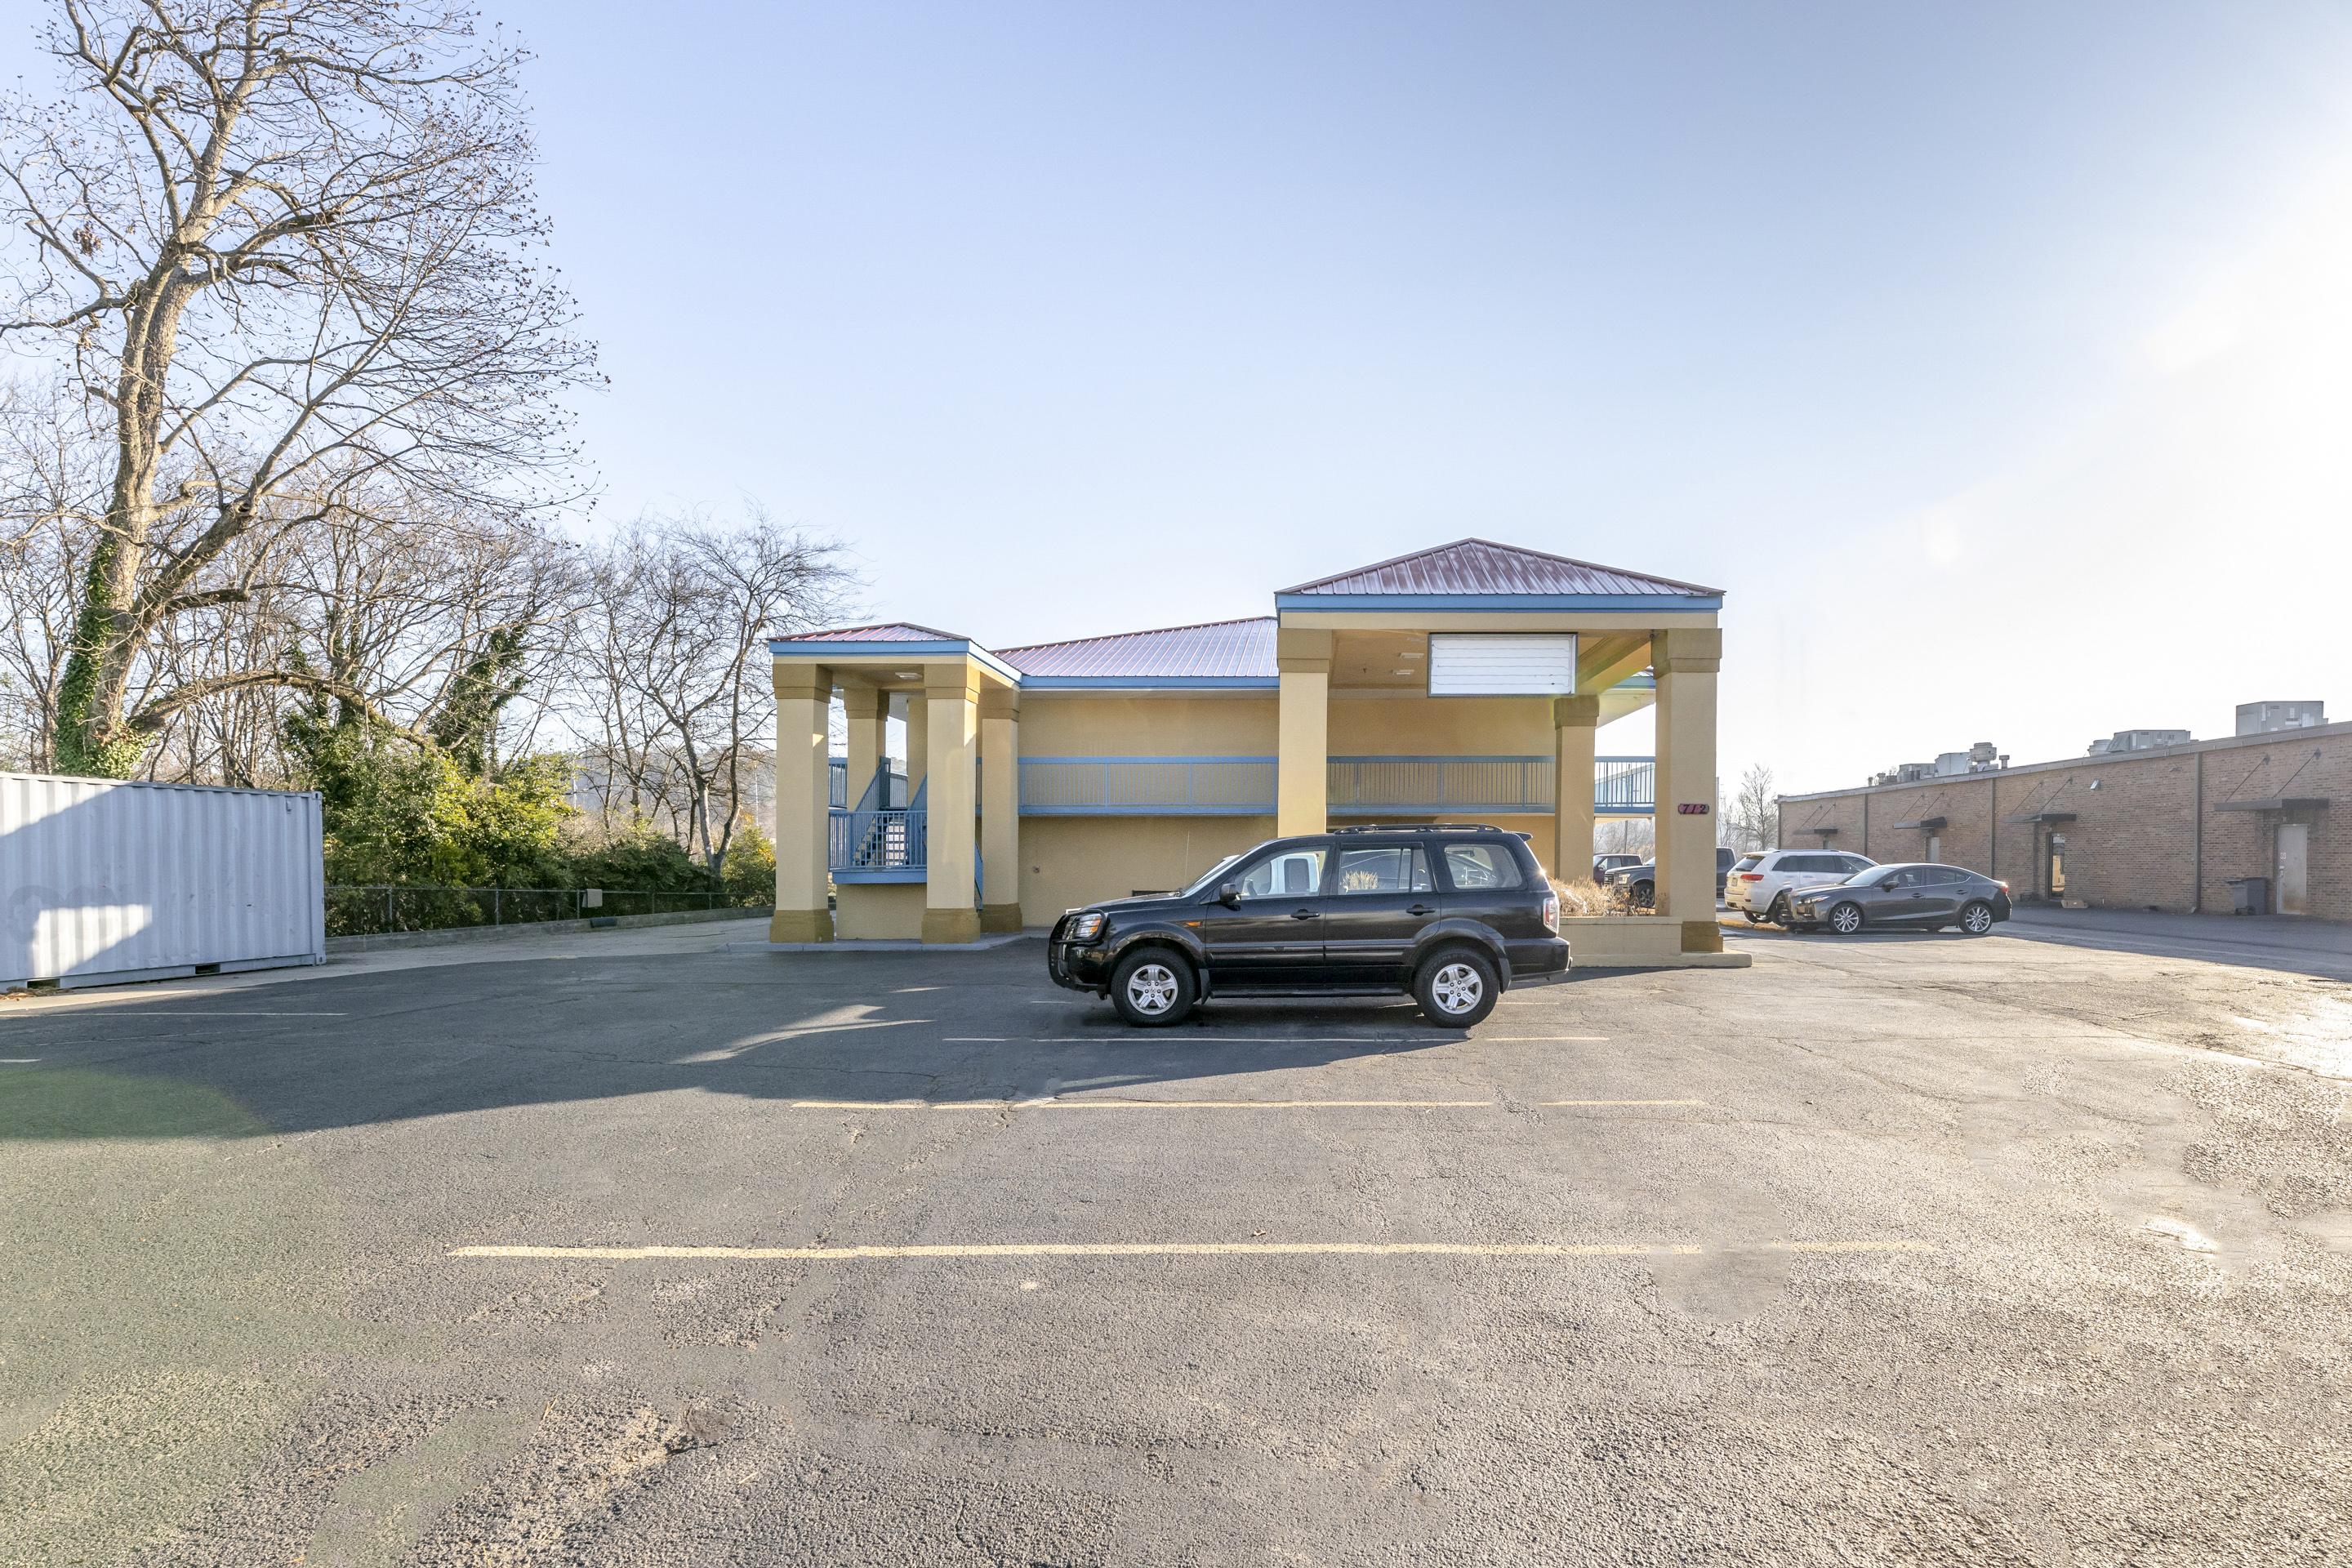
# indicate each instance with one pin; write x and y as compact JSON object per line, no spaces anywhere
{"x":1230,"y":894}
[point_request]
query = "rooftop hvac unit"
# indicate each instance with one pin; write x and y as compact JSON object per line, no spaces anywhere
{"x":2147,"y":739}
{"x":2267,"y":717}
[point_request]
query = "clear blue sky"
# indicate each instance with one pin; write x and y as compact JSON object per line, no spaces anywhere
{"x":1987,"y":354}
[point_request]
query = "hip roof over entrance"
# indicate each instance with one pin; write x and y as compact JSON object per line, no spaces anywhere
{"x":1478,"y":574}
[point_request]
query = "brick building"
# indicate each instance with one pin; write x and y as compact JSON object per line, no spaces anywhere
{"x":2165,"y":827}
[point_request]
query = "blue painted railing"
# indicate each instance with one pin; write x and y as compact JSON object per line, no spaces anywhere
{"x":1371,"y":787}
{"x":1625,"y":787}
{"x":1354,"y":786}
{"x":1156,"y":786}
{"x":873,"y":842}
{"x":883,"y":838}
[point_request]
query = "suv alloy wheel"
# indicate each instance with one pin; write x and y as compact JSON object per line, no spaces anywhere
{"x":1153,"y":986}
{"x":1456,"y":987}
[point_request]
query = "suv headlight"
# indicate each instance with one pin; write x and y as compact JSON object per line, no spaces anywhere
{"x":1087,"y":926}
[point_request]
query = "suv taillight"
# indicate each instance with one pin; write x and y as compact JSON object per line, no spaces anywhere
{"x":1552,"y":913}
{"x":1751,"y":875}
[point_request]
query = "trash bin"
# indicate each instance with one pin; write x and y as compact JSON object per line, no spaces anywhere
{"x":2250,"y":895}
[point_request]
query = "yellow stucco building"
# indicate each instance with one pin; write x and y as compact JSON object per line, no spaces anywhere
{"x":1462,"y":682}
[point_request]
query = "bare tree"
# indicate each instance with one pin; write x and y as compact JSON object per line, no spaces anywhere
{"x":1754,"y":821}
{"x":426,"y":619}
{"x":283,"y":247}
{"x":430,"y":618}
{"x":677,"y":695}
{"x":52,"y":502}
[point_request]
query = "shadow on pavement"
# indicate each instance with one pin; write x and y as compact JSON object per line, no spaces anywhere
{"x":339,"y":1051}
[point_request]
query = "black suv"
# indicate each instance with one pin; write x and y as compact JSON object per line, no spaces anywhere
{"x":1451,"y":914}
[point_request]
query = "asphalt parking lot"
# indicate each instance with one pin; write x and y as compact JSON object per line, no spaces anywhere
{"x":627,"y":1248}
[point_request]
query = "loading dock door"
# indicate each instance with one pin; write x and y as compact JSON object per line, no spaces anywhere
{"x":2294,"y":867}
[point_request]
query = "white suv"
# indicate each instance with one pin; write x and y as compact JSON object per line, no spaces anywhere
{"x":1759,"y":886}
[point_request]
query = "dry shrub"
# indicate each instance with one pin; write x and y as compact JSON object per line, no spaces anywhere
{"x":1585,"y":897}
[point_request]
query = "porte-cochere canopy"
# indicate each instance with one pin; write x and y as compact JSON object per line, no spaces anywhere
{"x":1465,"y":681}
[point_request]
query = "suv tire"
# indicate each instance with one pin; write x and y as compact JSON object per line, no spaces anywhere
{"x":1779,"y":913}
{"x":1153,"y":987}
{"x":1457,"y":987}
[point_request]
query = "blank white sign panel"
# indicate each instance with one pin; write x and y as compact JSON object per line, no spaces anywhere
{"x":1541,"y":665}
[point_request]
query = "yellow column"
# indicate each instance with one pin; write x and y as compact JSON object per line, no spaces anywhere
{"x":1000,"y":809}
{"x":869,"y":711}
{"x":1573,"y":720}
{"x":1302,"y":728}
{"x":803,"y":695}
{"x":951,"y":711}
{"x":1686,"y":663}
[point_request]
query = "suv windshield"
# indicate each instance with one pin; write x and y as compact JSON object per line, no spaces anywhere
{"x":1207,"y":878}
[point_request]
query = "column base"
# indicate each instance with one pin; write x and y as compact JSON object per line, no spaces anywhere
{"x":950,"y":925}
{"x":999,"y":917}
{"x":1702,"y":936}
{"x":800,"y":925}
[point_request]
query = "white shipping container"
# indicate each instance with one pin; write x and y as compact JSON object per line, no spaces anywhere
{"x":102,"y":880}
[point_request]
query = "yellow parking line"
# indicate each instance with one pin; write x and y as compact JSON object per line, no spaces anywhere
{"x":1183,"y":1249}
{"x":1106,"y":1104}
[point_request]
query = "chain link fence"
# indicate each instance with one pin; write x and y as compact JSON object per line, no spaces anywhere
{"x":373,"y":911}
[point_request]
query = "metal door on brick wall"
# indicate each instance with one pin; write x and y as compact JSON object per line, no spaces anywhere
{"x":2294,"y":867}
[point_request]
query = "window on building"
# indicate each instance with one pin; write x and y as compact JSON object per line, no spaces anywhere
{"x":1398,"y":869}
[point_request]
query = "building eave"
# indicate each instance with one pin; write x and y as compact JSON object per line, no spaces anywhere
{"x":1502,"y":604}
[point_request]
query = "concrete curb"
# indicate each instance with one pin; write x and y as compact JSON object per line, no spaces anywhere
{"x":455,"y":935}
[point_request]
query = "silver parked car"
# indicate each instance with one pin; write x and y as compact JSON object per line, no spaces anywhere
{"x":1917,"y":897}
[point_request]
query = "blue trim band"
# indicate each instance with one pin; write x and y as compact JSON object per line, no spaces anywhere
{"x":793,"y":647}
{"x":1503,"y":602}
{"x":1151,"y":683}
{"x":1268,"y":759}
{"x":1265,"y":810}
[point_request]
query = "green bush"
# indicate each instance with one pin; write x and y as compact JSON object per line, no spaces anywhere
{"x":640,"y":855}
{"x":748,"y":874}
{"x":397,"y":815}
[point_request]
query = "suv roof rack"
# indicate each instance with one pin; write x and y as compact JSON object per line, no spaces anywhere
{"x":1420,"y":827}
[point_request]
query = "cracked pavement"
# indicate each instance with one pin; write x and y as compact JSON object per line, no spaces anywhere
{"x":2084,"y":1221}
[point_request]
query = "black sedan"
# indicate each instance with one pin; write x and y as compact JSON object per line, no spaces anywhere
{"x":1915,"y":897}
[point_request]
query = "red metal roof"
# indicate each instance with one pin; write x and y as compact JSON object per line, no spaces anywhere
{"x":887,"y":631}
{"x":1482,"y":566}
{"x":1215,"y":649}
